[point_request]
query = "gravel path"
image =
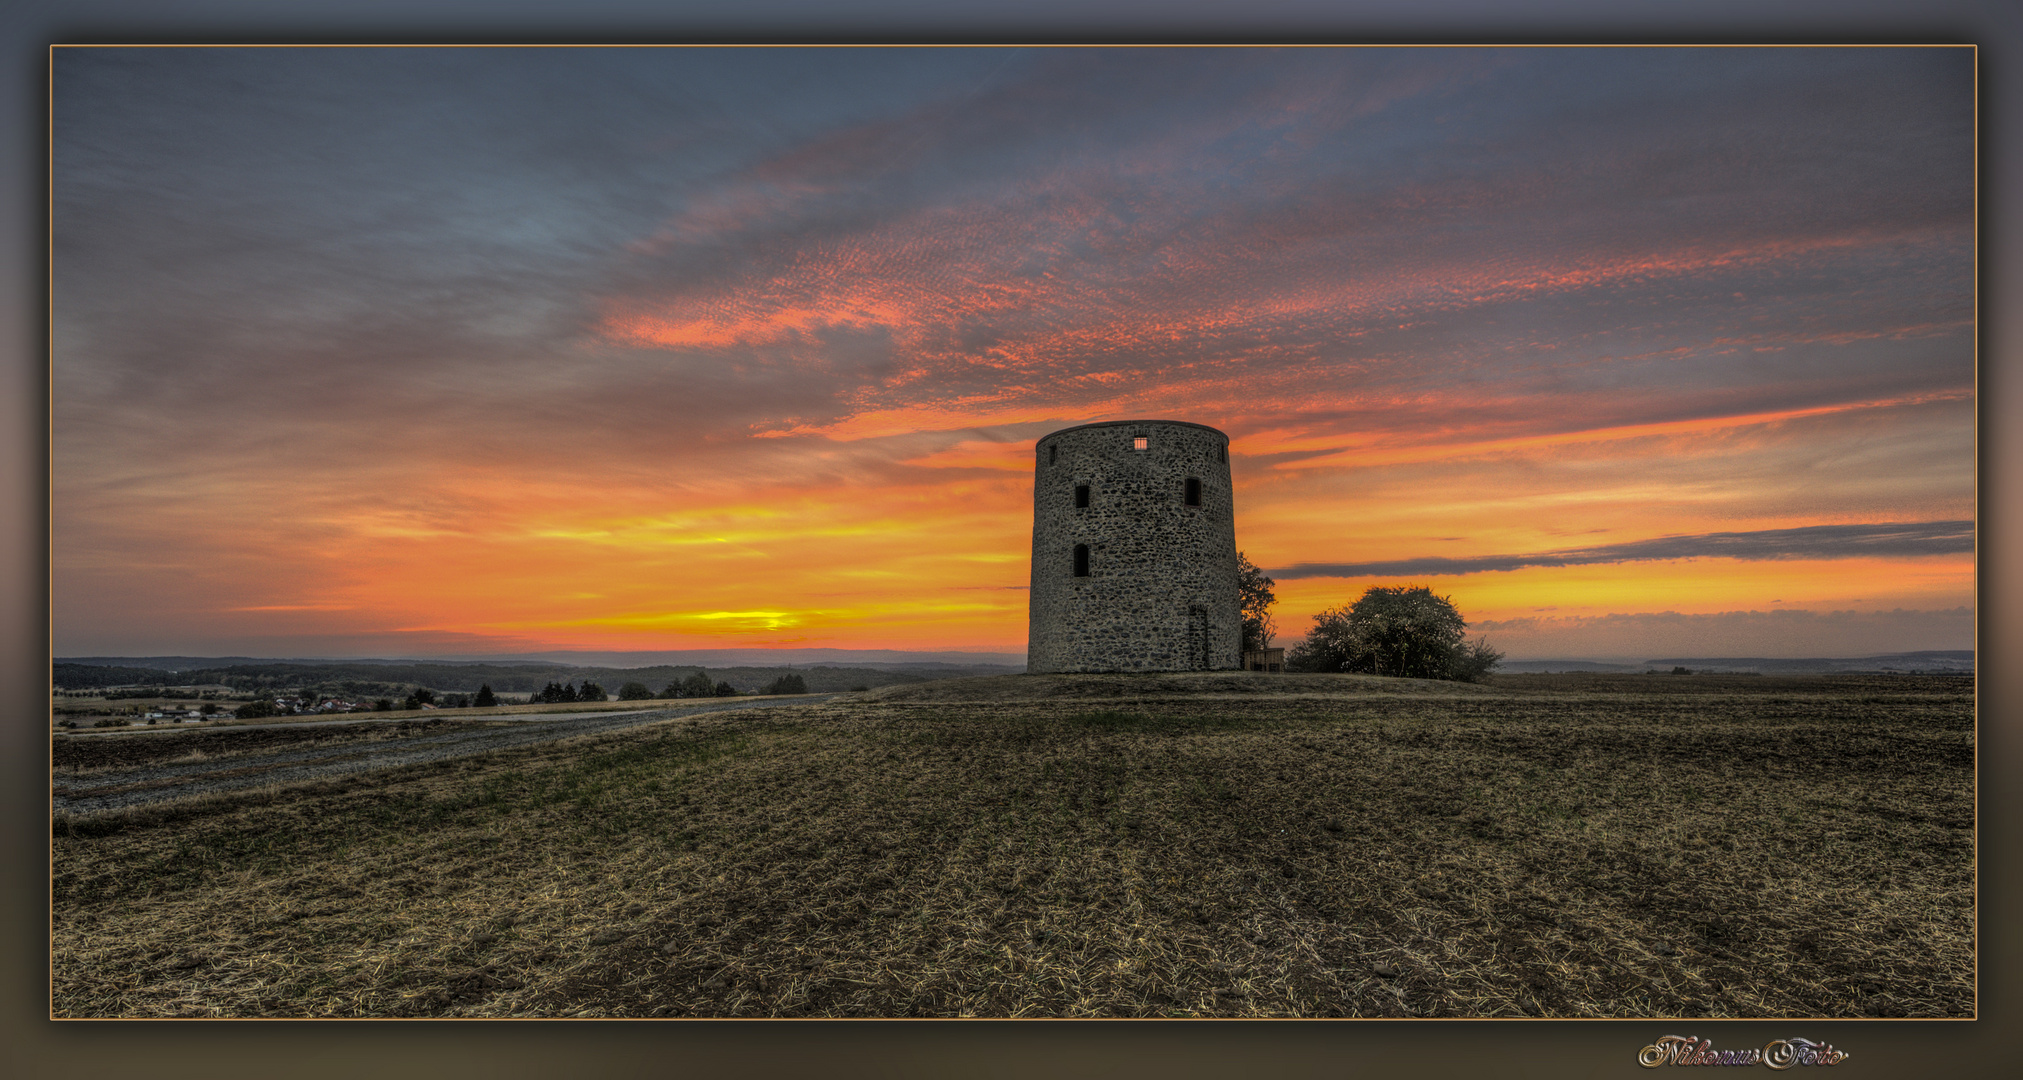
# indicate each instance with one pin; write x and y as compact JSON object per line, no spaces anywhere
{"x":110,"y":789}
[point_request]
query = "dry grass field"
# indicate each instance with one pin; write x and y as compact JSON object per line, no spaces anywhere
{"x":1229,"y":846}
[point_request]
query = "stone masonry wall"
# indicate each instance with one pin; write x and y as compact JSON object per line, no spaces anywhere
{"x":1161,"y":592}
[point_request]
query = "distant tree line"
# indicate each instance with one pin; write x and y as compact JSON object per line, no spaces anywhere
{"x":154,"y":692}
{"x":788,"y":684}
{"x":554,"y":693}
{"x":698,"y":685}
{"x":89,"y":676}
{"x":361,"y":681}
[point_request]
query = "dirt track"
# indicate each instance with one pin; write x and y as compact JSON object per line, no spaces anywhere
{"x":110,"y":772}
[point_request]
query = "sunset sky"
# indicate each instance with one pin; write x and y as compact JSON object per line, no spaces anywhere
{"x":409,"y":352}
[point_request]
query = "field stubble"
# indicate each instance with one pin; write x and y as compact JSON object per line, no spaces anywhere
{"x":1782,"y":848}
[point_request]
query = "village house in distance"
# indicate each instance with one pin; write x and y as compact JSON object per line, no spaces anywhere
{"x":1134,"y":550}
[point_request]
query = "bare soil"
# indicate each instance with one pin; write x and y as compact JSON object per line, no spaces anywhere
{"x":1623,"y":846}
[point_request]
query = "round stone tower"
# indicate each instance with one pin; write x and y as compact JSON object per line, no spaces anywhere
{"x":1134,"y":550}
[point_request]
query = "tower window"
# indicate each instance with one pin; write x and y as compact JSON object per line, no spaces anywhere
{"x":1140,"y":443}
{"x":1081,"y":496}
{"x":1193,"y":491}
{"x":1222,"y":453}
{"x":1081,"y":560}
{"x":1053,"y":454}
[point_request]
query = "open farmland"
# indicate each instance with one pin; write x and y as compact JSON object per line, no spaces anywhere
{"x":1210,"y":845}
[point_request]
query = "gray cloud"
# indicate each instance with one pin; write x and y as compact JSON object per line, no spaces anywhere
{"x":1891,"y":540}
{"x":241,"y":232}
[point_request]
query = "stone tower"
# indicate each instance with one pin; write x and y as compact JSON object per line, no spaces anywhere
{"x":1134,"y":550}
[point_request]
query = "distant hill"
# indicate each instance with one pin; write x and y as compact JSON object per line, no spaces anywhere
{"x":760,"y":658}
{"x":1942,"y":661}
{"x":882,"y":659}
{"x":1535,"y":666}
{"x":396,"y":677}
{"x":1936,"y":661}
{"x":75,"y":676}
{"x":199,"y":663}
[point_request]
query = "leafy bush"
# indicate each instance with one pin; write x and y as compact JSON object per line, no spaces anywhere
{"x":1394,"y":630}
{"x":635,"y":691}
{"x":591,"y":692}
{"x":257,"y":709}
{"x":724,"y":689}
{"x":1474,"y":661}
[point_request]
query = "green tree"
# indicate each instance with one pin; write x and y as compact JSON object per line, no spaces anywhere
{"x":724,"y":689}
{"x":382,"y":705}
{"x":635,"y":691}
{"x":256,"y":709}
{"x":591,"y":692}
{"x":1394,"y":630}
{"x":791,"y":683}
{"x":485,"y":699}
{"x":698,"y":685}
{"x":1254,"y":594}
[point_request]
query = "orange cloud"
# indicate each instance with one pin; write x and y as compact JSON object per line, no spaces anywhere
{"x":1449,"y":444}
